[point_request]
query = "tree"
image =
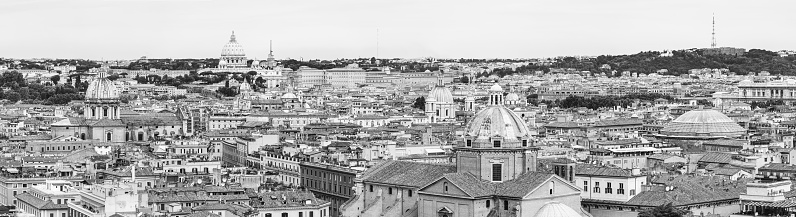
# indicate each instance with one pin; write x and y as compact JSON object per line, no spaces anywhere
{"x":55,"y":79}
{"x":420,"y":103}
{"x":227,"y":91}
{"x":141,"y":80}
{"x":465,"y":79}
{"x":665,"y":210}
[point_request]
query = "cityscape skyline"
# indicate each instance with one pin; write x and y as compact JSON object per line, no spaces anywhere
{"x":442,"y":29}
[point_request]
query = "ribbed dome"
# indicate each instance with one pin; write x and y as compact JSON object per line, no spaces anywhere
{"x":232,"y":48}
{"x":245,"y":86}
{"x":556,"y":209}
{"x":102,"y":89}
{"x":441,"y":94}
{"x":496,"y":88}
{"x":703,"y":123}
{"x":512,"y":97}
{"x":497,"y":121}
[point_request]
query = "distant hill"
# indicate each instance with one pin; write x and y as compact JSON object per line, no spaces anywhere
{"x":754,"y":60}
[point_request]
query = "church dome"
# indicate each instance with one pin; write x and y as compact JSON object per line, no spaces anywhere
{"x":102,"y":88}
{"x":556,"y":209}
{"x":232,"y":48}
{"x":496,"y":88}
{"x":441,"y":94}
{"x":289,"y":96}
{"x":512,"y":97}
{"x":497,"y":121}
{"x":245,"y":86}
{"x":703,"y":123}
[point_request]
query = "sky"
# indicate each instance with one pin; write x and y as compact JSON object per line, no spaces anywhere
{"x":332,"y":29}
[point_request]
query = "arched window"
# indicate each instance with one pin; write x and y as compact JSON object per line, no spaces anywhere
{"x":445,"y":186}
{"x":109,"y":136}
{"x":105,"y":112}
{"x":552,"y":187}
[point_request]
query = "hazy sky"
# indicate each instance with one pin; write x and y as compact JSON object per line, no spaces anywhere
{"x":329,"y":29}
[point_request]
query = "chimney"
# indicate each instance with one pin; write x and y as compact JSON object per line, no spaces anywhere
{"x":635,"y":172}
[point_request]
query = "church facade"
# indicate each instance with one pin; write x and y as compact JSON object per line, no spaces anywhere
{"x":495,"y":175}
{"x":102,"y":119}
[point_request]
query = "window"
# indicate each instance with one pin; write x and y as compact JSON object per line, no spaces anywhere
{"x":390,"y":190}
{"x":301,"y":214}
{"x":585,"y":185}
{"x":487,"y":203}
{"x":284,"y":214}
{"x":312,"y":214}
{"x":469,"y":143}
{"x":108,"y":136}
{"x":371,"y":188}
{"x":410,"y":193}
{"x":445,"y":187}
{"x":621,"y":189}
{"x":632,"y":192}
{"x":505,"y":205}
{"x":552,"y":187}
{"x":496,"y":144}
{"x":497,"y":172}
{"x":596,"y":187}
{"x":608,"y":189}
{"x":105,"y":112}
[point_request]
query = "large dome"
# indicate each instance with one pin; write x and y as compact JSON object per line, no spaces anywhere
{"x":232,"y":48}
{"x":102,"y":88}
{"x":441,"y":94}
{"x":704,"y":124}
{"x":497,"y":121}
{"x":512,"y":97}
{"x":556,"y":209}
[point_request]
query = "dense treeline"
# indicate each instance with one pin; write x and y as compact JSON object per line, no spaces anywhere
{"x":597,"y":102}
{"x":16,"y":88}
{"x":680,"y":62}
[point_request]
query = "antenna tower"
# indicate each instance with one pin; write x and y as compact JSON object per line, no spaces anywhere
{"x":713,"y":42}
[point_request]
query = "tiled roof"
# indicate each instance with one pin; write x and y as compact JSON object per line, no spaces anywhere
{"x":778,"y":167}
{"x":692,"y":190}
{"x":105,"y":123}
{"x":618,"y":122}
{"x":522,"y":185}
{"x":471,"y":185}
{"x":563,"y":125}
{"x":727,"y":142}
{"x":660,"y":156}
{"x":71,"y":121}
{"x":716,"y":157}
{"x":406,"y":173}
{"x":39,"y":203}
